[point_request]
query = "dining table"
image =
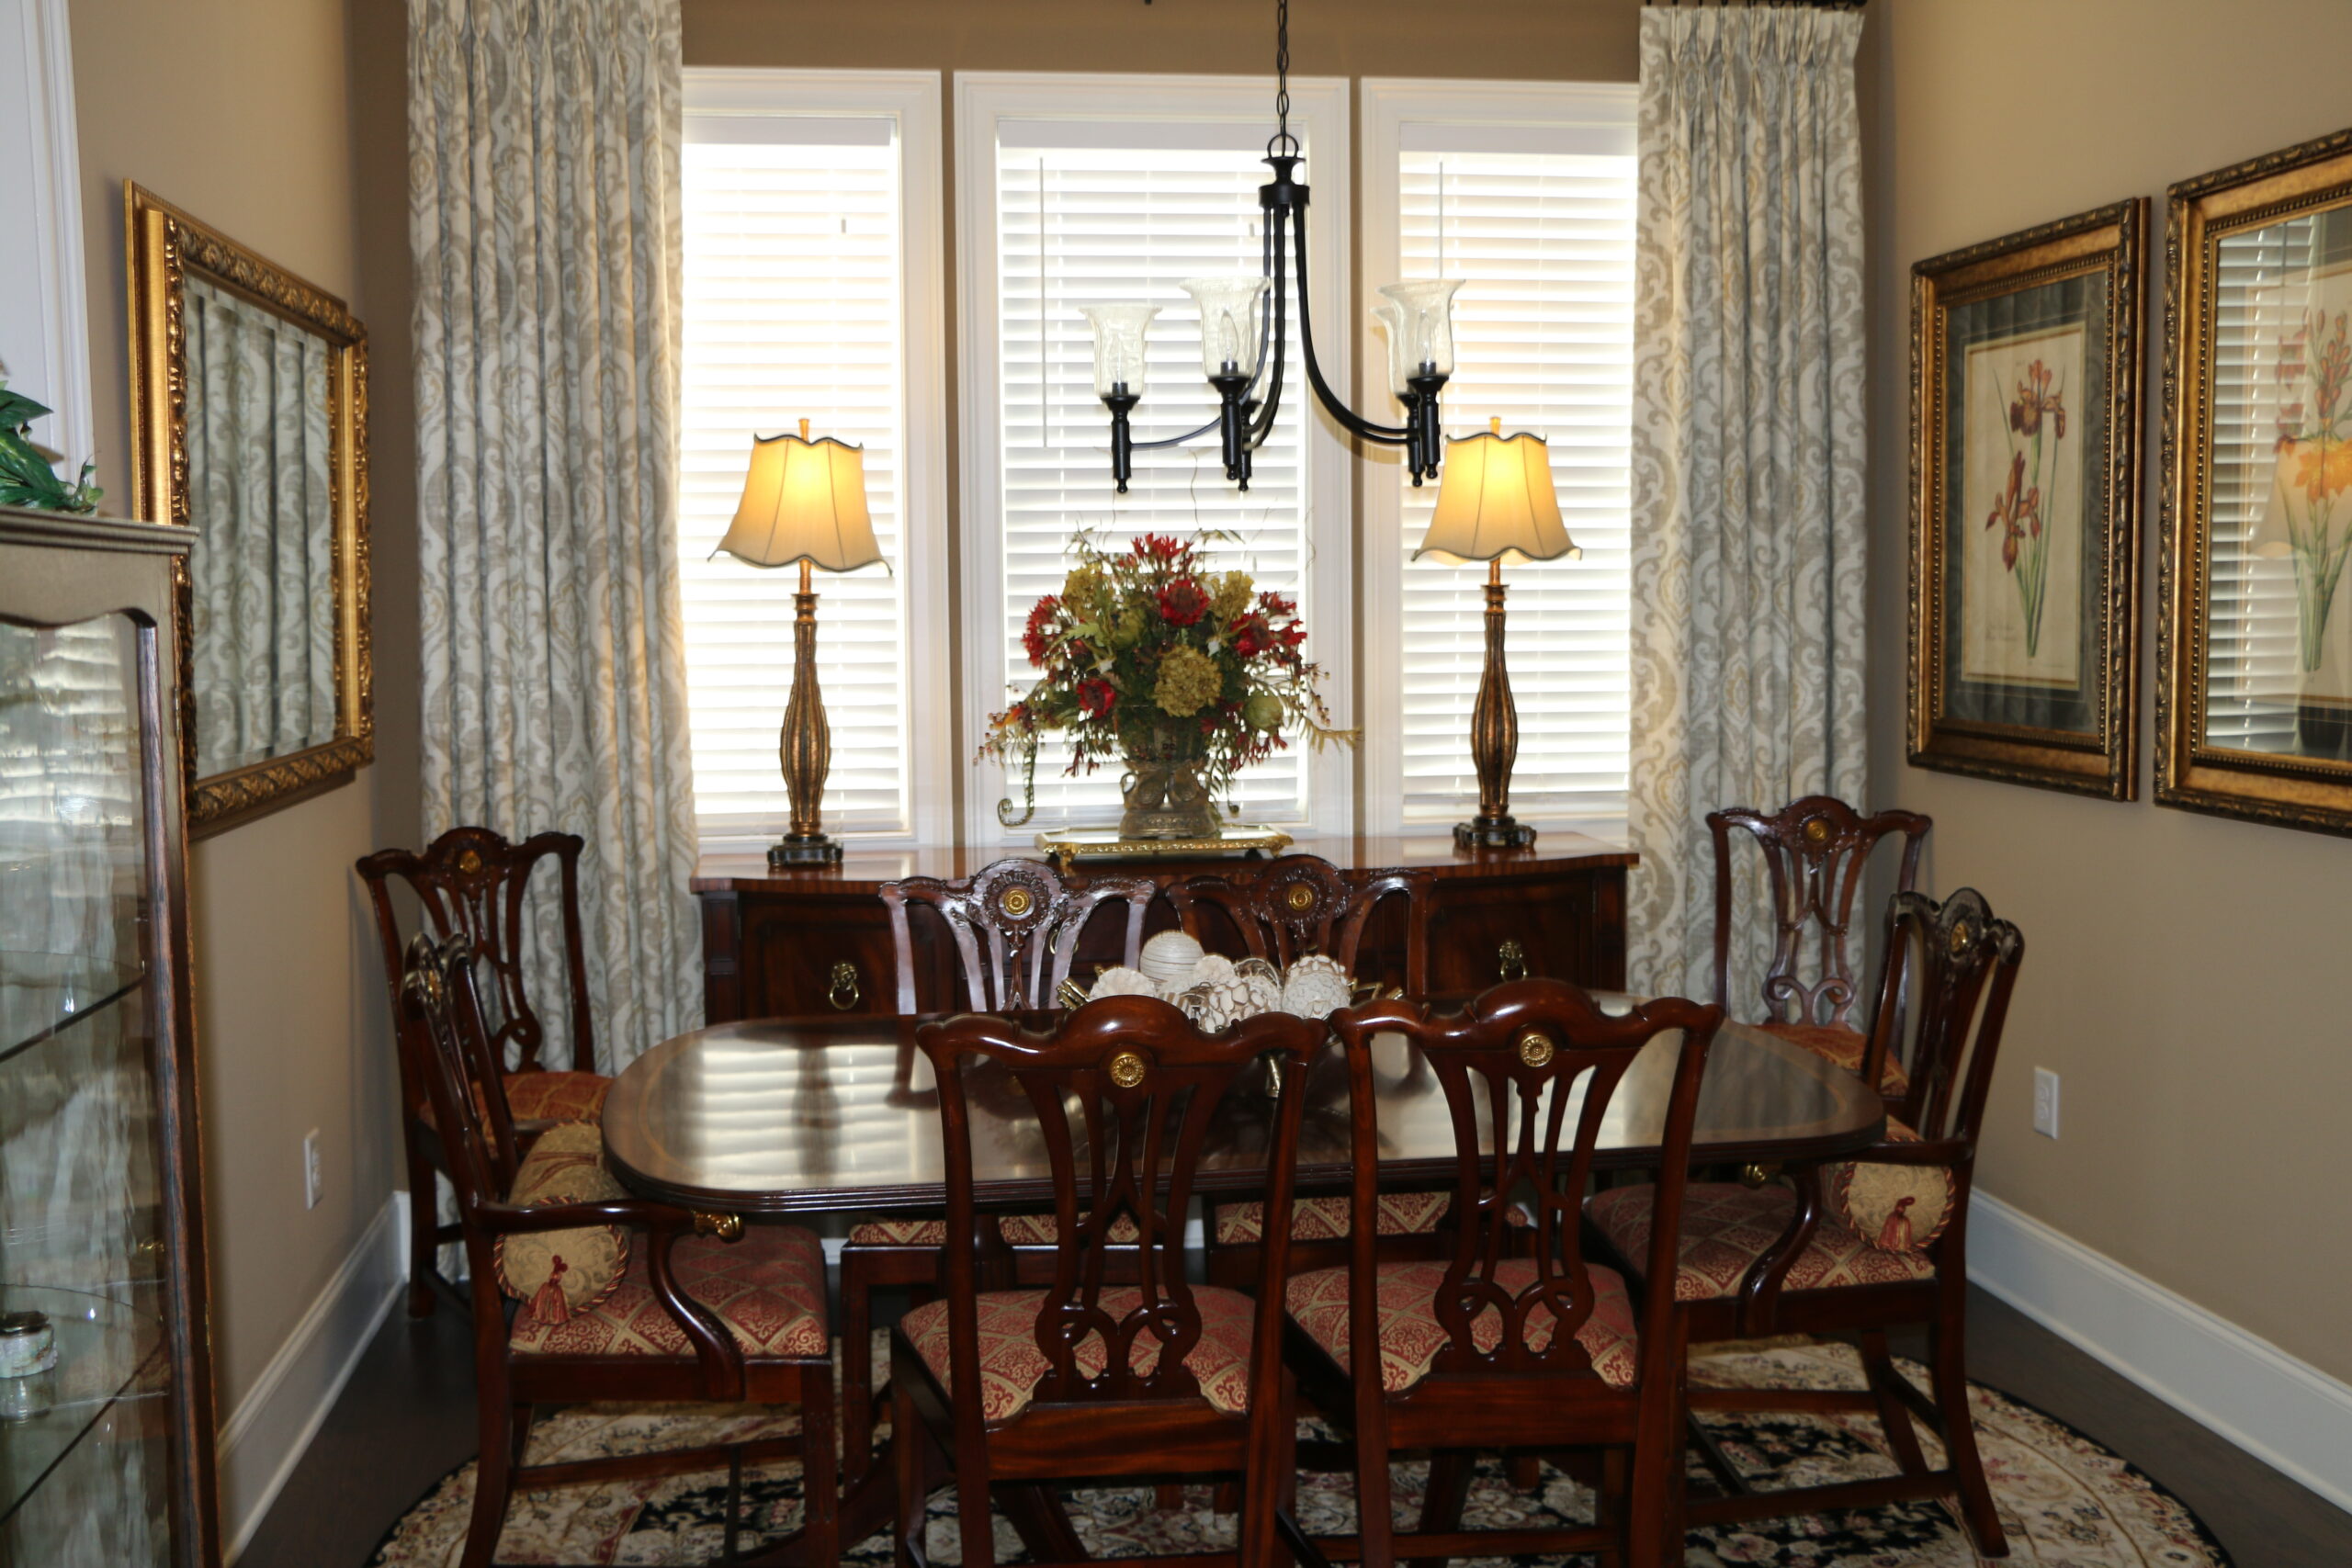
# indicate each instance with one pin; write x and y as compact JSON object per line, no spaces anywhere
{"x":837,"y":1114}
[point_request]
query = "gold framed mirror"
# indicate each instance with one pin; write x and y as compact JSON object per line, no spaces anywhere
{"x":249,"y":425}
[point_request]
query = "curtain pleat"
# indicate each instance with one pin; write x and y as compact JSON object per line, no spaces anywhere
{"x":1748,"y":454}
{"x":544,"y":187}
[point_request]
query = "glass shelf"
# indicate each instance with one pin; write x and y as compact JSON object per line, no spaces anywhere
{"x":42,"y":993}
{"x":110,"y":1354}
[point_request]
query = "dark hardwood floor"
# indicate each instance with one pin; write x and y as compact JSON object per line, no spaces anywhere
{"x":406,"y":1419}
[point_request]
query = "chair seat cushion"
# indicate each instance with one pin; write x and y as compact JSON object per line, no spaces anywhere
{"x":1843,"y":1046}
{"x":1727,"y":1227}
{"x":1020,"y":1230}
{"x":768,"y":1288}
{"x":557,"y":1097}
{"x":1411,"y":1336}
{"x":566,"y":1165}
{"x":1011,"y":1366}
{"x":1326,"y":1219}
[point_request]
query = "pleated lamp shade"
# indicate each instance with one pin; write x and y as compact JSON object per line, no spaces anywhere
{"x":804,"y":499}
{"x":1495,"y":500}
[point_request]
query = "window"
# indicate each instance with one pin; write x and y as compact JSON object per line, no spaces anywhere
{"x":1080,"y":191}
{"x":813,"y":290}
{"x":1525,"y":191}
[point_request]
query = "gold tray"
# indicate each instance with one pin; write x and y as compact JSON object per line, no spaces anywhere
{"x":1075,"y":846}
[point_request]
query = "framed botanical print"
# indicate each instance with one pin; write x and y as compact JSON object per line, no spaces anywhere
{"x":2253,"y":693}
{"x":2025,"y":392}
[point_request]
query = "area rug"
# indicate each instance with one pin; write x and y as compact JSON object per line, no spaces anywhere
{"x":2065,"y":1501}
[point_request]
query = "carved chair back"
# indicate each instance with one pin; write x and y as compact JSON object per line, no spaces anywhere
{"x":1016,"y":926}
{"x":1303,"y":904}
{"x":472,"y":881}
{"x":1816,"y":850}
{"x":1943,"y":999}
{"x":1529,"y":1070}
{"x":437,"y":993}
{"x":1122,"y":1091}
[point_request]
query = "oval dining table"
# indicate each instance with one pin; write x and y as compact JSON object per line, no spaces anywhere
{"x":836,"y":1114}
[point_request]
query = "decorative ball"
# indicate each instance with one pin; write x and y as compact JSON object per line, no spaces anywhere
{"x":1316,"y":987}
{"x":1264,"y":711}
{"x":1261,"y":986}
{"x":1120,"y":981}
{"x":1168,"y":959}
{"x":1214,"y":969}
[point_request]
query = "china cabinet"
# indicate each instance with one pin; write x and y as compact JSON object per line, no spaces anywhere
{"x":106,"y":1423}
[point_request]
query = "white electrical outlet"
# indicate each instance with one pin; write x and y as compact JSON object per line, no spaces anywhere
{"x":2045,"y":1103}
{"x":313,"y":1184}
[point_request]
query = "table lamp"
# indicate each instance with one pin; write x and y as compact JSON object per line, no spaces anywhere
{"x":804,"y":500}
{"x":1495,"y":499}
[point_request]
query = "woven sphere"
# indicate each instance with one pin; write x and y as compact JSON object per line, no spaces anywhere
{"x":1120,"y":981}
{"x":1261,"y":985}
{"x":1169,"y":959}
{"x":1316,"y":987}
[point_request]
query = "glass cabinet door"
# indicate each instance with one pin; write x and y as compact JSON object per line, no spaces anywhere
{"x":85,"y":1421}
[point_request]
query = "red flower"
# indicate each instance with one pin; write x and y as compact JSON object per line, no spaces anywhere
{"x":2035,"y":399}
{"x":2015,"y":510}
{"x":1184,"y":602}
{"x":1034,"y":640}
{"x":1157,"y":547}
{"x":1292,"y":635}
{"x":1274,"y":605}
{"x":1096,"y":698}
{"x":1252,"y":636}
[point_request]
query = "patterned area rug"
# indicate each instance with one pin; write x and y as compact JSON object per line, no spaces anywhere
{"x":2065,"y":1501}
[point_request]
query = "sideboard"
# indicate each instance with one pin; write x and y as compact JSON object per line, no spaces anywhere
{"x":817,"y":939}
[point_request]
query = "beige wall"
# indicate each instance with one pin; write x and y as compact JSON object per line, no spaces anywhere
{"x":239,"y":111}
{"x":2182,"y":972}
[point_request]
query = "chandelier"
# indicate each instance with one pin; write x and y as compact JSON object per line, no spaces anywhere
{"x":1244,"y":326}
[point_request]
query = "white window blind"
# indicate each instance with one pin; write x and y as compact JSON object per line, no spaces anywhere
{"x":795,"y":297}
{"x":1544,"y":242}
{"x":1112,"y":190}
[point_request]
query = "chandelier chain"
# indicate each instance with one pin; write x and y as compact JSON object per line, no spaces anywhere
{"x":1282,"y":140}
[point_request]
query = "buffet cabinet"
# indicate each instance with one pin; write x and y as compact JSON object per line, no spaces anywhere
{"x":107,"y":1433}
{"x":813,"y":939}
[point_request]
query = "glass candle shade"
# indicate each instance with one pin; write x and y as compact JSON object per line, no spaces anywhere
{"x":1421,"y":335}
{"x":1228,"y":322}
{"x":1392,"y":325}
{"x":1119,"y":332}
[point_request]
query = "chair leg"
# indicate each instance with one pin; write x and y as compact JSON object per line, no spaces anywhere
{"x":1949,"y":1348}
{"x":1526,"y":1470}
{"x":493,"y":1479}
{"x":1375,"y":1513}
{"x":820,"y":1476}
{"x":1893,"y":1415}
{"x":909,"y":1456}
{"x":857,"y":1367}
{"x":1441,"y":1503}
{"x":423,"y":1227}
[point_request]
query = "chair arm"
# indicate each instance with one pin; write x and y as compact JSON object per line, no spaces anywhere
{"x":1939,"y":1151}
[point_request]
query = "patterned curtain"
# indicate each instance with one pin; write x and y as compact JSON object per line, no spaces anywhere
{"x":262,"y":495}
{"x":1748,"y":504}
{"x":543,"y":211}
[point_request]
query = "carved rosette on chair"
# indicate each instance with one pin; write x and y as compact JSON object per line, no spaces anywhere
{"x":1495,"y":499}
{"x":804,"y":501}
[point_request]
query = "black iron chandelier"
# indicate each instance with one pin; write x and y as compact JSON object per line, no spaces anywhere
{"x":1244,"y":326}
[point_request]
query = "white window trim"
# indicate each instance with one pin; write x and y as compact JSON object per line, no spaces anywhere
{"x":1319,"y":106}
{"x":911,"y":100}
{"x":1387,"y":106}
{"x":46,"y":311}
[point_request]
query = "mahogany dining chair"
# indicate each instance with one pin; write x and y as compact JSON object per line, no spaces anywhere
{"x":471,"y":881}
{"x":1865,"y":1245}
{"x":1502,"y":1346}
{"x":1817,"y":854}
{"x":1015,"y":926}
{"x":1083,"y":1377}
{"x":622,"y":1298}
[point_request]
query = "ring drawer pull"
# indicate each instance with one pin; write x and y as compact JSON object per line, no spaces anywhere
{"x":843,"y":992}
{"x":1511,"y":960}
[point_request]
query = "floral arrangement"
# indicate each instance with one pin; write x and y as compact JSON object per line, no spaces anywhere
{"x":1148,"y":655}
{"x":2315,"y":469}
{"x":2037,"y":424}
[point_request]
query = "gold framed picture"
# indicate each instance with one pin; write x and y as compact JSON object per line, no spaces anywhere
{"x":2254,"y":689}
{"x":2025,"y":585}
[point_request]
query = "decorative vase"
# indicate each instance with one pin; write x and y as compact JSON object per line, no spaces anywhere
{"x":1163,"y":791}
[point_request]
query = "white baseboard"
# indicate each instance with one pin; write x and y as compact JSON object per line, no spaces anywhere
{"x":2286,"y":1413}
{"x":265,"y":1439}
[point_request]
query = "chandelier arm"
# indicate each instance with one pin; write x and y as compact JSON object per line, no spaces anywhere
{"x":1386,"y":436}
{"x":1263,"y":425}
{"x":1174,"y":440}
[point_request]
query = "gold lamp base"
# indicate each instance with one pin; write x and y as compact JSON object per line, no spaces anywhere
{"x":1493,"y":833}
{"x":805,"y":849}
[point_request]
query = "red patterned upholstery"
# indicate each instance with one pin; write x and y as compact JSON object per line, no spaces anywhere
{"x":769,"y":1288}
{"x":1326,"y":1219}
{"x":1727,"y":1227}
{"x":1020,"y":1230}
{"x":1011,"y":1366}
{"x":557,"y":1097}
{"x":1411,"y":1337}
{"x":1835,"y":1042}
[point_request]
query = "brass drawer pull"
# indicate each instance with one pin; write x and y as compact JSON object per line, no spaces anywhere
{"x":843,"y":992}
{"x":1511,"y":960}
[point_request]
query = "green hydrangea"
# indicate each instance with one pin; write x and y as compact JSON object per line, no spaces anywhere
{"x":1232,"y":595}
{"x":1189,"y":682}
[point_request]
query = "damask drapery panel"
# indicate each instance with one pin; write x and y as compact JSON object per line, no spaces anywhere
{"x":1748,"y":502}
{"x":544,"y":185}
